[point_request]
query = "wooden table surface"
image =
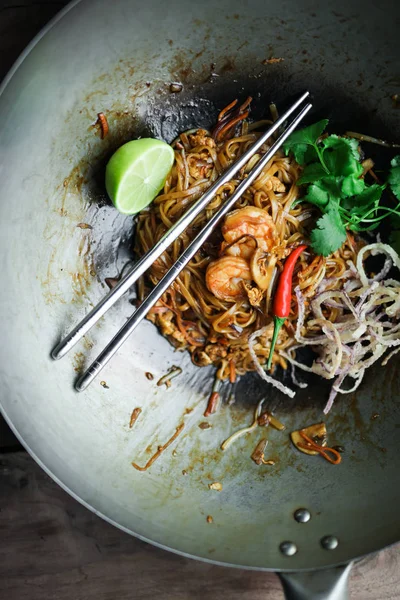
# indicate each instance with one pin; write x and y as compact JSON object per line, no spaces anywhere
{"x":52,"y":548}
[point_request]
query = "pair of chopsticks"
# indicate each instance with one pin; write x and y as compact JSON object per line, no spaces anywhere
{"x":174,"y":232}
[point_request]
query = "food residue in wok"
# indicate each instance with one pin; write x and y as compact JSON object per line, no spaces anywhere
{"x":175,"y":88}
{"x":135,"y":414}
{"x":84,"y":226}
{"x":258,"y":453}
{"x":312,"y":440}
{"x":316,"y":432}
{"x":213,"y":401}
{"x":103,"y":123}
{"x":272,"y":61}
{"x":160,"y":450}
{"x":259,"y":420}
{"x":217,"y":486}
{"x":268,"y":418}
{"x":166,"y":379}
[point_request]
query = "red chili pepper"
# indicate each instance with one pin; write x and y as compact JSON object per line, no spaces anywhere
{"x":283,"y":296}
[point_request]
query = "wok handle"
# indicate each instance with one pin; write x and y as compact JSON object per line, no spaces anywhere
{"x":326,"y":584}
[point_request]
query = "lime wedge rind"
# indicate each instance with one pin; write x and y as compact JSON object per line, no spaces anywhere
{"x":137,"y":172}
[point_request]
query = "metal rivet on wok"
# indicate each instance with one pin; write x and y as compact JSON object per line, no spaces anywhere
{"x":288,"y":548}
{"x":302,"y":515}
{"x":329,"y":542}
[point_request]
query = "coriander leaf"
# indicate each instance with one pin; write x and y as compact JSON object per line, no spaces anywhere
{"x":354,"y":145}
{"x":298,"y":150}
{"x":370,"y":195}
{"x":307,"y":135}
{"x":317,"y":196}
{"x":303,"y":154}
{"x":312,"y":173}
{"x":310,"y":155}
{"x":329,"y":234}
{"x":324,"y":192}
{"x":332,"y":185}
{"x":394,"y":176}
{"x":360,"y":204}
{"x":363,"y":202}
{"x":357,"y":227}
{"x":334,"y":141}
{"x":301,"y":142}
{"x":351,"y":186}
{"x":395,"y":162}
{"x":339,"y":158}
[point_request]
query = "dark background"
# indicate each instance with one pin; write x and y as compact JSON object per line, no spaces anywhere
{"x":53,"y":548}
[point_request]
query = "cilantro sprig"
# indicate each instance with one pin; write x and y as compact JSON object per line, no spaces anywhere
{"x":394,"y":182}
{"x":394,"y":176}
{"x":333,"y":178}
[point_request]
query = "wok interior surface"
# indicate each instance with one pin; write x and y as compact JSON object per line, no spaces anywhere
{"x":120,"y":61}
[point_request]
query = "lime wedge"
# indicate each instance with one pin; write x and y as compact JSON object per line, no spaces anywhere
{"x":136,"y":172}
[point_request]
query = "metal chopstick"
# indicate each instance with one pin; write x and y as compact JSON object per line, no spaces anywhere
{"x":182,"y":261}
{"x":170,"y":236}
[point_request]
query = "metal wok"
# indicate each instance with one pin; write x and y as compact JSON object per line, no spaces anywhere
{"x":120,"y":58}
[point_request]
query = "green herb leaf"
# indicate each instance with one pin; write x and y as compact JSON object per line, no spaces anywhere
{"x":324,"y":192}
{"x":395,"y":162}
{"x":312,"y":173}
{"x":332,"y":185}
{"x":394,"y":176}
{"x":363,"y":202}
{"x":338,"y":156}
{"x":307,"y":135}
{"x":317,"y":195}
{"x":352,"y":186}
{"x":357,"y":227}
{"x":329,"y":234}
{"x":333,"y":175}
{"x":303,"y":154}
{"x":338,"y":143}
{"x":301,"y":142}
{"x":370,"y":195}
{"x":354,"y":145}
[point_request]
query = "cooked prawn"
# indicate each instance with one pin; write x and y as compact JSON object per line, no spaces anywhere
{"x":225,"y":277}
{"x":246,"y":225}
{"x":244,"y":247}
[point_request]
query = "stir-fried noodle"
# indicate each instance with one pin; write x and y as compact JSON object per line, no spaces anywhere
{"x":224,"y":294}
